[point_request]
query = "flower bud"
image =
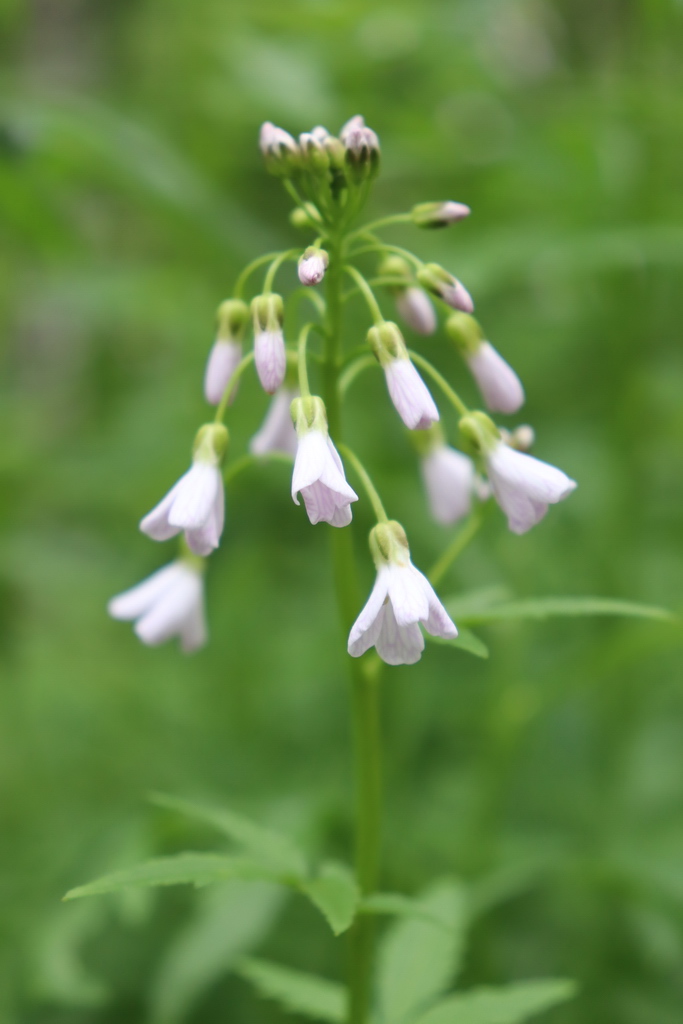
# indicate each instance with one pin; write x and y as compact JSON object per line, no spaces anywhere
{"x":396,"y":266}
{"x":210,"y":444}
{"x":269,"y":343}
{"x":438,"y":215}
{"x":386,"y":341}
{"x":314,"y":156}
{"x":232,"y":316}
{"x":408,"y":392}
{"x":309,"y":413}
{"x":280,"y":151}
{"x":466,"y":332}
{"x":389,"y":544}
{"x":479,"y":433}
{"x":361,"y":150}
{"x":497,"y":381}
{"x":415,"y":307}
{"x":312,"y":265}
{"x":439,"y":282}
{"x":226,"y":351}
{"x":306,"y":216}
{"x":522,"y":438}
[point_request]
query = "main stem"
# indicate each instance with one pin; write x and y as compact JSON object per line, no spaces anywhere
{"x":364,"y":683}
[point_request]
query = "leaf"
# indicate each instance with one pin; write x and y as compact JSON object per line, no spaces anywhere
{"x":335,"y":894}
{"x":273,"y":848}
{"x":506,"y":1005}
{"x":505,"y":883}
{"x":179,"y":869}
{"x":465,"y":640}
{"x":230,"y":920}
{"x":58,"y":973}
{"x":296,"y":991}
{"x":418,"y":958}
{"x":464,"y":607}
{"x":546,"y":607}
{"x":400,"y":906}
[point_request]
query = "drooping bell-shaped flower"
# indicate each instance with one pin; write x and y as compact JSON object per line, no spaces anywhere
{"x":500,"y":386}
{"x":439,"y":282}
{"x":277,"y":433}
{"x":312,"y":265}
{"x":522,"y":485}
{"x":196,"y":503}
{"x":270,"y":356}
{"x":401,"y":599}
{"x":226,"y":353}
{"x":407,"y":390}
{"x":318,"y":471}
{"x":439,"y":215}
{"x":168,"y":603}
{"x":449,"y":477}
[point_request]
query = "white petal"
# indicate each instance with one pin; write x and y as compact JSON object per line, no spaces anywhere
{"x":439,"y":622}
{"x":277,"y":433}
{"x":155,"y":524}
{"x":195,"y":496}
{"x":524,"y":486}
{"x":342,"y":516}
{"x":334,"y":478}
{"x":223,"y":360}
{"x":311,"y":455}
{"x":407,"y":594}
{"x":170,"y":613}
{"x":398,"y":645}
{"x":416,"y":308}
{"x":193,"y":633}
{"x":366,"y":627}
{"x":271,"y":359}
{"x":498,"y":382}
{"x":410,"y":395}
{"x":320,"y":502}
{"x":134,"y":602}
{"x":206,"y":538}
{"x":449,"y":481}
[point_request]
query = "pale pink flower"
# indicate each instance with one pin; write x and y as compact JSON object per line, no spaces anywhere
{"x":410,"y":395}
{"x":168,"y":603}
{"x":524,"y":486}
{"x":224,"y":359}
{"x":449,"y":480}
{"x":318,"y":471}
{"x":312,"y":266}
{"x":270,"y":358}
{"x":415,"y":307}
{"x":277,"y":433}
{"x":498,"y":382}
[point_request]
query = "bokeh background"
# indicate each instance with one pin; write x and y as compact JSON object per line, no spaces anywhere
{"x":131,"y":192}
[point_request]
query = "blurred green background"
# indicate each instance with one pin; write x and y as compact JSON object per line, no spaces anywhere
{"x":131,"y":192}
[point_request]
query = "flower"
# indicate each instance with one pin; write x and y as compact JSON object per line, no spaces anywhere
{"x":226,"y":352}
{"x":499,"y":384}
{"x":439,"y":282}
{"x":195,"y":503}
{"x":318,"y":471}
{"x":269,"y":341}
{"x":312,"y":265}
{"x":277,"y":433}
{"x":168,"y":603}
{"x":280,"y":151}
{"x":524,"y":486}
{"x":439,"y":215}
{"x":401,"y":598}
{"x":407,"y":390}
{"x":415,"y":307}
{"x":449,"y":481}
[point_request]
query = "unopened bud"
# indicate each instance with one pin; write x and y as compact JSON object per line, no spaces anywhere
{"x":465,"y":331}
{"x":389,"y":544}
{"x":396,"y":266}
{"x":280,"y":151}
{"x":232,"y":316}
{"x":438,"y":281}
{"x":306,"y":216}
{"x":438,"y":215}
{"x":308,"y":413}
{"x":426,"y":441}
{"x":312,"y":265}
{"x":268,"y":312}
{"x":478,"y":432}
{"x":361,"y":147}
{"x":522,"y":438}
{"x":210,"y":443}
{"x":314,"y":156}
{"x":386,"y":341}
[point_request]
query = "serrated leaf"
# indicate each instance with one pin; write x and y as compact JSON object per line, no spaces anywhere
{"x":466,"y":640}
{"x":418,"y":959}
{"x":296,"y":991}
{"x":396,"y":904}
{"x":335,"y":894}
{"x":511,"y":1004}
{"x":181,"y":869}
{"x":273,"y":848}
{"x":547,"y":607}
{"x":230,"y":920}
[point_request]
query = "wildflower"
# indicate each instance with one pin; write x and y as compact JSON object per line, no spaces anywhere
{"x":168,"y":603}
{"x":269,"y":341}
{"x":415,"y":307}
{"x":448,"y":476}
{"x":499,"y":384}
{"x":280,"y":151}
{"x":439,"y":282}
{"x":226,"y":353}
{"x":277,"y":434}
{"x":318,"y":471}
{"x":401,"y":598}
{"x":439,"y":215}
{"x":195,"y":503}
{"x":312,"y":265}
{"x":407,"y":390}
{"x":361,"y":147}
{"x":522,"y":485}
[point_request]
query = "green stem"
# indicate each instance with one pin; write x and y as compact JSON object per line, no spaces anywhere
{"x":232,"y":383}
{"x":370,"y":489}
{"x":301,"y":358}
{"x":249,"y":270}
{"x":364,"y":683}
{"x":384,"y":222}
{"x":378,"y":246}
{"x":290,"y":254}
{"x":353,"y":370}
{"x":462,"y":538}
{"x":452,"y":396}
{"x":368,"y":294}
{"x":234,"y":469}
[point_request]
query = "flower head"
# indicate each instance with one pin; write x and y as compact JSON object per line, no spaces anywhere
{"x":269,"y":341}
{"x":448,"y":475}
{"x":277,"y":433}
{"x":499,"y":384}
{"x":168,"y":603}
{"x":439,"y":282}
{"x":226,"y":353}
{"x":318,"y":471}
{"x":439,"y":215}
{"x":312,"y":265}
{"x":401,"y":599}
{"x":195,"y":503}
{"x":407,"y":390}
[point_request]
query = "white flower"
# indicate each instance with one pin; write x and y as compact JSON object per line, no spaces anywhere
{"x":449,"y":480}
{"x":168,"y":603}
{"x":195,"y":503}
{"x":410,"y":395}
{"x":524,"y":486}
{"x":277,"y":433}
{"x":415,"y":306}
{"x":224,"y":359}
{"x":318,"y":471}
{"x":270,"y":358}
{"x":401,"y":599}
{"x":498,"y":382}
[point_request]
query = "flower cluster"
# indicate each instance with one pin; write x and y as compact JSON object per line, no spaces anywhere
{"x":329,"y":178}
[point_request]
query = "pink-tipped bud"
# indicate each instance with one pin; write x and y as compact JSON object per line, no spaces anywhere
{"x":451,"y":291}
{"x":439,"y":215}
{"x":280,"y":151}
{"x":416,"y":309}
{"x":312,"y":265}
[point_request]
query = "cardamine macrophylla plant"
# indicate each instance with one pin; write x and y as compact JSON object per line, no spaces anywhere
{"x":329,"y":179}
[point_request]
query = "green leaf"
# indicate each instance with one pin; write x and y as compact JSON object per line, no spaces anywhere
{"x":464,"y":607}
{"x":230,"y":920}
{"x":335,"y":894}
{"x":398,"y":905}
{"x":509,"y":1005}
{"x":417,"y":959}
{"x":295,"y":991}
{"x":546,"y":607}
{"x":466,"y":640}
{"x":180,"y":869}
{"x":271,"y":847}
